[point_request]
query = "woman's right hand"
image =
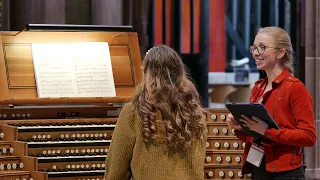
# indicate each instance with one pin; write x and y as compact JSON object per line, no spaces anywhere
{"x":233,"y":123}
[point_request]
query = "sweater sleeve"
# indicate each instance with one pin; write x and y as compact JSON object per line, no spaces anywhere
{"x":301,"y":106}
{"x":120,"y":151}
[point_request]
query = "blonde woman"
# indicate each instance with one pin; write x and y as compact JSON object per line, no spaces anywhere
{"x":287,"y":101}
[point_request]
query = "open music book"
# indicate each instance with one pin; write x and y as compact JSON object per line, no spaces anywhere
{"x":81,"y":69}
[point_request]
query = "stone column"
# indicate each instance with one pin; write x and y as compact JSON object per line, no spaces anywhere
{"x":36,"y":11}
{"x":5,"y":15}
{"x":140,"y":10}
{"x":124,"y":12}
{"x":312,"y":78}
{"x":54,"y":12}
{"x":107,"y":12}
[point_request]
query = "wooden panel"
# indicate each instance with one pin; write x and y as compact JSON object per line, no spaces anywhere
{"x":19,"y":65}
{"x":16,"y":66}
{"x":196,"y":26}
{"x":14,"y":175}
{"x":39,"y":175}
{"x":185,"y":30}
{"x":58,"y":37}
{"x":158,"y":22}
{"x":168,"y":22}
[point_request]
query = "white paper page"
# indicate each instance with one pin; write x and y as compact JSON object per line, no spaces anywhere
{"x":73,"y":70}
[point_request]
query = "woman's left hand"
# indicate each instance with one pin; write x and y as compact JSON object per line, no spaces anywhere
{"x":254,"y":124}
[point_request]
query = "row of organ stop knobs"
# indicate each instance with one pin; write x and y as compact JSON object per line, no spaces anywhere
{"x":77,"y":167}
{"x":15,"y":115}
{"x":223,"y":174}
{"x":227,"y":159}
{"x":12,"y":166}
{"x":67,"y":137}
{"x":226,"y":145}
{"x":4,"y":150}
{"x":222,"y":117}
{"x":72,"y":152}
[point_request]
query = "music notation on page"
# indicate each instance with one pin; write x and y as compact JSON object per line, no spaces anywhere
{"x":73,"y":70}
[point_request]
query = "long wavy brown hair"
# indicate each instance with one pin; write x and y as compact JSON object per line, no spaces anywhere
{"x":166,"y":88}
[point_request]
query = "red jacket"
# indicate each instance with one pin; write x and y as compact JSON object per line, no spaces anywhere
{"x":290,"y":105}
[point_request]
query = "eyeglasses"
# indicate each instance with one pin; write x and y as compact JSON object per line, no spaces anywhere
{"x":261,"y":49}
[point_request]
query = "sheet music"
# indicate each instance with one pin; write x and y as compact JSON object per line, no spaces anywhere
{"x":73,"y":70}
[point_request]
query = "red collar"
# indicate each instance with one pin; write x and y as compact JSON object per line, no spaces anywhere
{"x":262,"y":83}
{"x":284,"y":74}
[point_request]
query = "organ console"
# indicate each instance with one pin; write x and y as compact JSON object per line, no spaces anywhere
{"x":224,"y":150}
{"x":59,"y":138}
{"x":68,"y":138}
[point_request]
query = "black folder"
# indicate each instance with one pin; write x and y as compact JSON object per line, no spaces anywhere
{"x":251,"y":109}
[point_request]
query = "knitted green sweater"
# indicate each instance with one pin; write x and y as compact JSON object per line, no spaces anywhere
{"x":129,"y":156}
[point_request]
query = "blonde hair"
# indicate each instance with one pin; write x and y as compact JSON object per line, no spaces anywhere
{"x":282,"y":40}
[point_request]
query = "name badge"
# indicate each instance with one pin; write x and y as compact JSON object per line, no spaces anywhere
{"x":255,"y":156}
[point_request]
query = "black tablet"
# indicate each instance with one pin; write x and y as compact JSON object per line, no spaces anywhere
{"x":251,"y":109}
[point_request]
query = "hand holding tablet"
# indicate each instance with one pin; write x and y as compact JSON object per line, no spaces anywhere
{"x":233,"y":123}
{"x":252,"y":117}
{"x":254,"y":124}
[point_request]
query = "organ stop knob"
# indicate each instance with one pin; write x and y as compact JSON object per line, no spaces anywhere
{"x":221,"y":173}
{"x":210,"y":173}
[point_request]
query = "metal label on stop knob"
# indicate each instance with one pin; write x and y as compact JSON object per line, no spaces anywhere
{"x":208,"y":159}
{"x":235,"y":145}
{"x":226,"y":145}
{"x":218,"y":159}
{"x":215,"y":130}
{"x":207,"y":144}
{"x":224,"y":130}
{"x":217,"y":144}
{"x":228,"y":158}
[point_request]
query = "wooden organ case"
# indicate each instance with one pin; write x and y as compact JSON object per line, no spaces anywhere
{"x":68,"y":138}
{"x":59,"y":138}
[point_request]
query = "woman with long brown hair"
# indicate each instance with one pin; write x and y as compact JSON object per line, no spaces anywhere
{"x":161,"y":132}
